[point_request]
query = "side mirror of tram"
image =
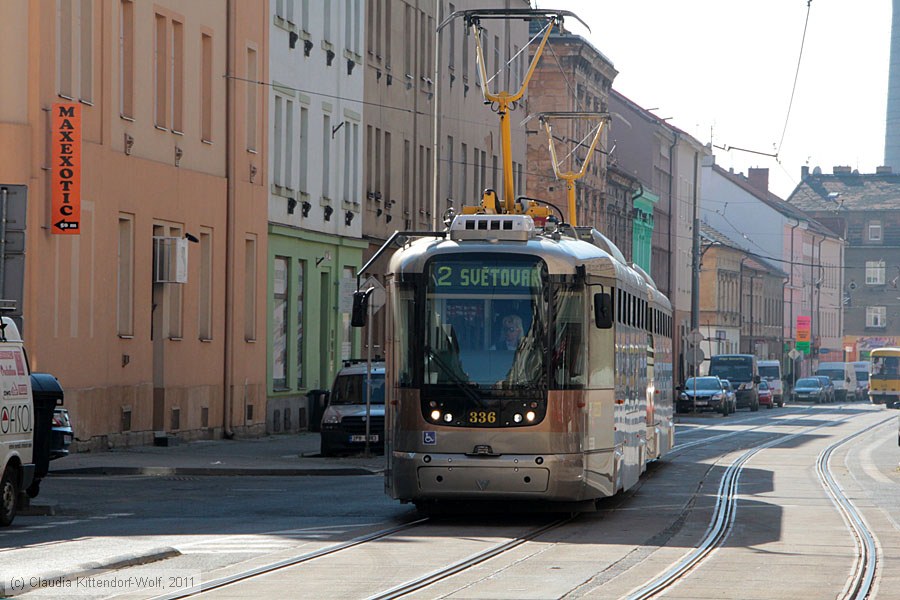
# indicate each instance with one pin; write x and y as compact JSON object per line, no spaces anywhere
{"x":359,"y":314}
{"x":603,"y":313}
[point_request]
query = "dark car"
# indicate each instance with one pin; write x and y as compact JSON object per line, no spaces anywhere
{"x":829,"y":387}
{"x":730,"y":394}
{"x":704,"y":393}
{"x":344,"y":421}
{"x":61,"y":434}
{"x":809,"y":389}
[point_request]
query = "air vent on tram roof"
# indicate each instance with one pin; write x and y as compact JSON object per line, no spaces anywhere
{"x":492,"y":227}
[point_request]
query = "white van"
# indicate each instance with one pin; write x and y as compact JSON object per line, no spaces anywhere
{"x":770,"y":372}
{"x":16,"y":422}
{"x":843,"y":375}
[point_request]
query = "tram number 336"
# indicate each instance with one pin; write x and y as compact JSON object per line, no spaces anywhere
{"x":482,"y":417}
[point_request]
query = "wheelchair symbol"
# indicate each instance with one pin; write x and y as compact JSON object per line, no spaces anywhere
{"x":429,"y":437}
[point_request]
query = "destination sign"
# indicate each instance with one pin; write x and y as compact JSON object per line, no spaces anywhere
{"x":469,"y":276}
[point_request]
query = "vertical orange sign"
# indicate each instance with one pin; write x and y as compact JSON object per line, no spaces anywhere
{"x":65,"y":156}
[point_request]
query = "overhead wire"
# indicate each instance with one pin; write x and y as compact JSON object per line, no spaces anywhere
{"x":796,"y":77}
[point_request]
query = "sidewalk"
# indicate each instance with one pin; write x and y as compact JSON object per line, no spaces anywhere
{"x":279,"y":455}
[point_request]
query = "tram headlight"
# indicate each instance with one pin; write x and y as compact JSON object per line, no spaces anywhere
{"x":517,"y":418}
{"x":448,"y":417}
{"x":435,"y":415}
{"x":530,"y":416}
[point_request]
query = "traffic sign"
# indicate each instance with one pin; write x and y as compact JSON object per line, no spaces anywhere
{"x":794,"y":354}
{"x":695,"y":356}
{"x":803,"y":347}
{"x":377,"y":300}
{"x":695,"y":337}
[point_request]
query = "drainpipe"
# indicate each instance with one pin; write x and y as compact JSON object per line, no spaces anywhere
{"x":695,"y":251}
{"x":671,"y":211}
{"x":436,"y":143}
{"x":741,"y":306}
{"x":230,"y":173}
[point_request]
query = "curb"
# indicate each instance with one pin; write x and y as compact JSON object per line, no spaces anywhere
{"x":111,"y":564}
{"x":217,"y":472}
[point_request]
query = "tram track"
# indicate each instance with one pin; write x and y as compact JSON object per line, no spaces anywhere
{"x":724,"y":511}
{"x":293,"y":561}
{"x":718,"y":531}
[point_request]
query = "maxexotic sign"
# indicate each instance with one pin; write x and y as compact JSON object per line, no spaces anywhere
{"x":65,"y":157}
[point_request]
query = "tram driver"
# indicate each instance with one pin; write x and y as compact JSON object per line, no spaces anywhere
{"x":511,"y":333}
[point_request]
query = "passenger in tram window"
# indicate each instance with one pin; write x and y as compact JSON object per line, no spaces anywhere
{"x":511,"y":333}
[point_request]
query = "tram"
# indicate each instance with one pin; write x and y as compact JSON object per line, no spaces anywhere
{"x":526,"y":358}
{"x":571,"y":411}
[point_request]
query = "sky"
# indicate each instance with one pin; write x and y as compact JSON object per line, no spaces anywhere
{"x":723,"y":71}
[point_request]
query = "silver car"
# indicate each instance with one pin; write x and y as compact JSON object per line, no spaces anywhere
{"x":344,"y":420}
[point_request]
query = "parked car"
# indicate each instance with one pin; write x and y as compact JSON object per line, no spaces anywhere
{"x":344,"y":421}
{"x":766,"y":397}
{"x":61,"y":434}
{"x":829,"y":387}
{"x":731,"y":394}
{"x":809,"y":389}
{"x":703,"y":393}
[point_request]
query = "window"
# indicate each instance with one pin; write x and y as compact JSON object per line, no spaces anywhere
{"x":206,"y":85}
{"x":204,"y":324}
{"x":876,"y":316}
{"x":252,"y":94}
{"x":301,"y":267}
{"x":304,"y":149}
{"x":280,"y":322}
{"x":451,"y":39}
{"x":75,"y":47}
{"x":386,"y":154}
{"x":126,"y":59}
{"x":348,"y":160}
{"x":463,"y":155}
{"x":449,"y":167}
{"x":160,"y":62}
{"x":370,"y":159}
{"x":873,"y":231}
{"x":326,"y":27}
{"x":250,"y":289}
{"x":177,"y":76}
{"x":409,"y":21}
{"x":387,"y":36}
{"x":125,"y":280}
{"x":874,"y":272}
{"x":346,"y":330}
{"x":326,"y":155}
{"x":283,"y":143}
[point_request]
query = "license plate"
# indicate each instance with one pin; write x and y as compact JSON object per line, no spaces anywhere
{"x":482,"y":417}
{"x":701,"y":403}
{"x":67,"y":439}
{"x":362,"y":438}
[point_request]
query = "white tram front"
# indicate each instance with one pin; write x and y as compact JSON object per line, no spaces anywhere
{"x":522,"y":364}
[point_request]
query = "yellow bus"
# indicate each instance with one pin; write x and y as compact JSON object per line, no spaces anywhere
{"x":884,"y":377}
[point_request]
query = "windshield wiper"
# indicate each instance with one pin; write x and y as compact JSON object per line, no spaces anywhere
{"x":454,"y":378}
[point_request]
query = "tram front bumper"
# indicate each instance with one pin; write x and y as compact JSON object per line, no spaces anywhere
{"x":423,"y":476}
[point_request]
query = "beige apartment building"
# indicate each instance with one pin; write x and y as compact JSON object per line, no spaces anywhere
{"x":149,"y":308}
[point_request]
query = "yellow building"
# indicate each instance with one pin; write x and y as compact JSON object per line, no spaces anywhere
{"x":172,"y":188}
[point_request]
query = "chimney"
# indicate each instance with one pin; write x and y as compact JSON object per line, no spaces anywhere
{"x":759,"y":179}
{"x":804,"y":172}
{"x":885,"y":170}
{"x":842,"y":170}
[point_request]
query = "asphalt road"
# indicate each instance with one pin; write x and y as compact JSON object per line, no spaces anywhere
{"x":786,"y":529}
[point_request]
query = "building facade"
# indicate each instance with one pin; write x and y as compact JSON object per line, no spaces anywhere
{"x":315,"y":198}
{"x":864,"y":209}
{"x":416,"y":167}
{"x":149,"y":314}
{"x":811,"y":255}
{"x":656,"y":167}
{"x":572,"y":76}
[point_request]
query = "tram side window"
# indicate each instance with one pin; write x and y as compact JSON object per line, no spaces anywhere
{"x":405,"y":330}
{"x":568,"y":355}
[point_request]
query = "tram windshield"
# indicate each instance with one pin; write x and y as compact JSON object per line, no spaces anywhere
{"x":485,"y":325}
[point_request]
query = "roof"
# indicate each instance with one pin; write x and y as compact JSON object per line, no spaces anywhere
{"x":774,"y":202}
{"x":714,"y":237}
{"x":847,"y":192}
